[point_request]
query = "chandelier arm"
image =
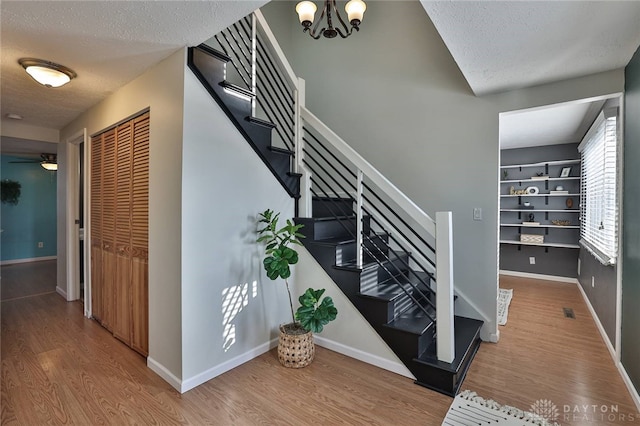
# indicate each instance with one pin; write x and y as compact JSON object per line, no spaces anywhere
{"x":313,"y":32}
{"x":315,"y":36}
{"x":346,"y":28}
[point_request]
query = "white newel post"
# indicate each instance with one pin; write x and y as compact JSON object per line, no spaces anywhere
{"x":359,"y":224}
{"x":444,"y":289}
{"x":304,"y":204}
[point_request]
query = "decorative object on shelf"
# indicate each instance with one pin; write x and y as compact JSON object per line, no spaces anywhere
{"x":558,"y":192}
{"x":531,"y":223}
{"x":561,"y":222}
{"x":527,"y":204}
{"x":295,"y":344}
{"x":532,"y":217}
{"x":569,"y":203}
{"x":513,"y":191}
{"x":532,"y":190}
{"x":531,"y":238}
{"x":505,"y":174}
{"x":566,"y":171}
{"x":306,"y":13}
{"x":10,"y":191}
{"x":559,"y":188}
{"x":540,"y":177}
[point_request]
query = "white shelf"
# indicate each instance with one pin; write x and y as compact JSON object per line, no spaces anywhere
{"x":559,"y":245}
{"x":541,"y":195}
{"x":541,"y":210}
{"x":542,"y":164}
{"x":540,"y":180}
{"x":520,"y":225}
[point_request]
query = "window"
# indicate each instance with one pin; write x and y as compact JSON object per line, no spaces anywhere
{"x":598,"y":188}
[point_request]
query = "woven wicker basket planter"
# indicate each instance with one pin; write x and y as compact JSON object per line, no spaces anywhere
{"x":295,"y":350}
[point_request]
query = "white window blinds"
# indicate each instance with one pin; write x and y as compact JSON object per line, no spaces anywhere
{"x":598,"y":188}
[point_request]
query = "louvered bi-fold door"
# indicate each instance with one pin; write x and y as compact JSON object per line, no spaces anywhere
{"x":119,"y":221}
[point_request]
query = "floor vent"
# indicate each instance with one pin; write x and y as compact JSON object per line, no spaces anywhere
{"x":568,"y":313}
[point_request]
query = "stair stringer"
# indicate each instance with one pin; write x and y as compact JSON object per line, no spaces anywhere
{"x":365,"y":344}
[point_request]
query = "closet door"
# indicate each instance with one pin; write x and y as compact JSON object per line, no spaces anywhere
{"x":108,"y":227}
{"x":140,"y":234}
{"x":122,"y":301}
{"x":96,"y":227}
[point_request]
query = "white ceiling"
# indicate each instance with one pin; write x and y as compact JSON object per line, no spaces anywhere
{"x":503,"y":45}
{"x":107,"y":43}
{"x":497,"y":45}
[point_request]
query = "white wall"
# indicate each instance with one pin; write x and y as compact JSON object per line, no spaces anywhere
{"x":413,"y":116}
{"x":224,"y":186}
{"x":161,"y":90}
{"x":20,"y":130}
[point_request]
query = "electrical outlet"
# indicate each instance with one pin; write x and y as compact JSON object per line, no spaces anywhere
{"x":593,"y":281}
{"x":477,"y":213}
{"x":532,"y":260}
{"x":40,"y":244}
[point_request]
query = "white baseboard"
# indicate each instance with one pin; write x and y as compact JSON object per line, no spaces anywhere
{"x":163,"y":372}
{"x":623,"y":373}
{"x":61,"y":292}
{"x":539,"y":276}
{"x":632,"y":389}
{"x":28,"y":260}
{"x":219,"y":369}
{"x":385,"y":364}
{"x":603,"y":333}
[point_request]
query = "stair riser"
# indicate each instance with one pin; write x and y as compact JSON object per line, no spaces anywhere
{"x":374,"y":275}
{"x":332,"y":207}
{"x":336,"y":228}
{"x":440,"y":380}
{"x":347,"y":252}
{"x":407,"y":344}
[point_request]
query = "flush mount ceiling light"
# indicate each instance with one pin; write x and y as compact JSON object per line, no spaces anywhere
{"x":49,"y":162}
{"x":306,"y":12}
{"x":47,"y":73}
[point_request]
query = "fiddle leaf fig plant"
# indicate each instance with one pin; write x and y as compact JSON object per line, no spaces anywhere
{"x":314,"y":312}
{"x":279,"y":256}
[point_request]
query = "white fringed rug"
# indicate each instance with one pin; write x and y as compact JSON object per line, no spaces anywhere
{"x":504,"y":298}
{"x":469,"y":409}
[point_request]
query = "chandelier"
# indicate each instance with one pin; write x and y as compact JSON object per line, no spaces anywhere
{"x":307,"y":9}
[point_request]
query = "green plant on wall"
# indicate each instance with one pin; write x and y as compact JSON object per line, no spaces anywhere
{"x":10,"y":191}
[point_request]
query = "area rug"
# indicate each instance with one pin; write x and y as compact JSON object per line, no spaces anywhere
{"x":504,"y":298}
{"x":470,"y":409}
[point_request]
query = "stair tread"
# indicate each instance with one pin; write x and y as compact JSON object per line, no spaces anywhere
{"x":234,"y":87}
{"x":344,"y":240}
{"x":413,"y":321}
{"x":261,"y":122}
{"x":213,"y":52}
{"x":467,"y":330}
{"x":281,"y":150}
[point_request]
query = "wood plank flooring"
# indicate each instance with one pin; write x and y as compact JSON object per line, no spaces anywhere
{"x":61,"y":368}
{"x":27,"y":279}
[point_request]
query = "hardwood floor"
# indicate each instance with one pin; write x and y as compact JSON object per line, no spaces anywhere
{"x":61,"y":368}
{"x":27,"y":279}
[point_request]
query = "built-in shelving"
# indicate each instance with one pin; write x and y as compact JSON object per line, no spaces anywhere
{"x":521,"y":225}
{"x":546,"y":206}
{"x":541,"y":164}
{"x":541,"y":195}
{"x":559,"y":245}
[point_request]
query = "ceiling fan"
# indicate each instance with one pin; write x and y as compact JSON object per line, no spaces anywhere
{"x":48,"y":161}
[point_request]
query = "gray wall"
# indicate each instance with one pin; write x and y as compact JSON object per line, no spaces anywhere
{"x":602,"y":292}
{"x":560,"y":262}
{"x":398,"y":98}
{"x":630,"y":343}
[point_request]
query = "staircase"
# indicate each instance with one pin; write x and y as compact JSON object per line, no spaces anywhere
{"x":397,"y":301}
{"x":375,"y":243}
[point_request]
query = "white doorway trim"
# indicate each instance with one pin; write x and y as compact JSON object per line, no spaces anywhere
{"x":72,"y":228}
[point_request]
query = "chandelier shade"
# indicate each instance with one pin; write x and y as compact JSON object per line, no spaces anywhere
{"x":306,"y":13}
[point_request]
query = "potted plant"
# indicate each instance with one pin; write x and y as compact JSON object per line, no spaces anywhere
{"x":10,"y":191}
{"x":295,"y":344}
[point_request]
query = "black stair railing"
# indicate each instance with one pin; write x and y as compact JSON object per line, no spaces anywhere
{"x":415,"y":251}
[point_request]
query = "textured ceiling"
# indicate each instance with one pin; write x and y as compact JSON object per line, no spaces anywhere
{"x":503,"y":45}
{"x":107,"y":43}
